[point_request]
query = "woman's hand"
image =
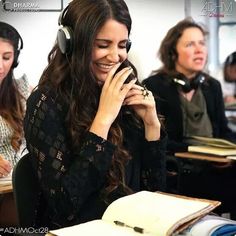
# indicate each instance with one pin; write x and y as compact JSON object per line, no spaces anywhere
{"x":5,"y":167}
{"x":144,"y":105}
{"x":113,"y":93}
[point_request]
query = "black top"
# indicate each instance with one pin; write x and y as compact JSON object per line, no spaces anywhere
{"x":72,"y":179}
{"x":168,"y":104}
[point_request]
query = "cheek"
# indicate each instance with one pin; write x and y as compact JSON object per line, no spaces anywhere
{"x":184,"y":57}
{"x":97,"y":54}
{"x":187,"y":55}
{"x":8,"y":65}
{"x":123,"y":56}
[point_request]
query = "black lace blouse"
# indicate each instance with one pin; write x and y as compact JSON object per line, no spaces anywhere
{"x":72,"y":179}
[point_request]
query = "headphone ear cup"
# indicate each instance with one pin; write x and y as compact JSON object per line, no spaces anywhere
{"x":187,"y":86}
{"x":65,"y":39}
{"x":183,"y":82}
{"x":128,"y":45}
{"x":195,"y":82}
{"x":16,"y":62}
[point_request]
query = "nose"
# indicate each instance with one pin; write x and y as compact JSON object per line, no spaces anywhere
{"x":200,"y":48}
{"x":114,"y":55}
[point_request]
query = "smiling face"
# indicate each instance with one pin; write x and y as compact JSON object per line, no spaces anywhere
{"x":192,"y":52}
{"x":6,"y":58}
{"x":109,"y":48}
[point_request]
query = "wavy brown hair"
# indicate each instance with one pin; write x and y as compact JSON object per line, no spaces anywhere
{"x":11,"y":100}
{"x":167,"y":51}
{"x":72,"y":77}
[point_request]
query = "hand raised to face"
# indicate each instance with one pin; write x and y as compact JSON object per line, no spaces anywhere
{"x":112,"y":97}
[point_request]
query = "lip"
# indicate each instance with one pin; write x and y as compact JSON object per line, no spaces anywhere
{"x":199,"y":60}
{"x":103,"y":67}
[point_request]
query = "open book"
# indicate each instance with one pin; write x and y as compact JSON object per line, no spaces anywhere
{"x":6,"y":180}
{"x":146,"y":213}
{"x":215,"y":142}
{"x":230,"y":105}
{"x":213,"y":146}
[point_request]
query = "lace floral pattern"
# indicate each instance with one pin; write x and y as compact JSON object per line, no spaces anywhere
{"x":71,"y":179}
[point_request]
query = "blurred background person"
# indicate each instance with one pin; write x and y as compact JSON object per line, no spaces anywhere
{"x":191,"y":102}
{"x":229,"y":76}
{"x":13,"y":95}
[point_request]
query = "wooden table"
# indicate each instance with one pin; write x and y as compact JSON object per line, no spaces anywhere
{"x":5,"y":188}
{"x":204,"y":157}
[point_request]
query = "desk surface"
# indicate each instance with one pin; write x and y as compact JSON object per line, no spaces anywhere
{"x":6,"y":188}
{"x":203,"y":157}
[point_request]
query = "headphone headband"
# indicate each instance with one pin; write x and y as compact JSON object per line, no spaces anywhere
{"x":65,"y":37}
{"x":186,"y":84}
{"x":61,"y":16}
{"x":64,"y":34}
{"x":20,"y":42}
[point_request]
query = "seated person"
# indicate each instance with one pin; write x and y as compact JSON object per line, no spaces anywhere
{"x":92,"y":135}
{"x":13,"y":94}
{"x":229,"y":76}
{"x":191,"y":102}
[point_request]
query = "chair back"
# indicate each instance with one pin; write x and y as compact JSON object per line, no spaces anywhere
{"x":26,"y":191}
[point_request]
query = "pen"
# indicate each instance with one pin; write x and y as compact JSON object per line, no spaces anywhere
{"x":135,"y":228}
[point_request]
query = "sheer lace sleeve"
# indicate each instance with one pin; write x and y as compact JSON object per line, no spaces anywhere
{"x":68,"y":177}
{"x":154,"y":164}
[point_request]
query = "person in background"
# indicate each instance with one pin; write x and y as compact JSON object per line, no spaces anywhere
{"x":191,"y":103}
{"x":190,"y":100}
{"x":229,"y":76}
{"x":91,"y":129}
{"x":13,"y":95}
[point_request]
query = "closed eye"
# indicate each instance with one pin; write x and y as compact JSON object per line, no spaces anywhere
{"x":6,"y":58}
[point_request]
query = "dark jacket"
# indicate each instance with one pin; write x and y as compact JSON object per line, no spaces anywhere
{"x":169,"y":105}
{"x":72,"y":179}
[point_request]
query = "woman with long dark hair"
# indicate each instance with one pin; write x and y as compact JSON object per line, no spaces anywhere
{"x":92,"y":130}
{"x":13,"y":94}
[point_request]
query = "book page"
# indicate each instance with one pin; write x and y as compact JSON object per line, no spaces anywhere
{"x":157,"y":213}
{"x":230,"y":105}
{"x":94,"y":228}
{"x":231,"y":157}
{"x":216,"y":142}
{"x":212,"y":150}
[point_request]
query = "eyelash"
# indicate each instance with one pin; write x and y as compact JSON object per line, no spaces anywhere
{"x":6,"y":59}
{"x":106,"y":46}
{"x":191,"y":44}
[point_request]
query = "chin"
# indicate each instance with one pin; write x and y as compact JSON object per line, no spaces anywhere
{"x":101,"y":78}
{"x":198,"y":69}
